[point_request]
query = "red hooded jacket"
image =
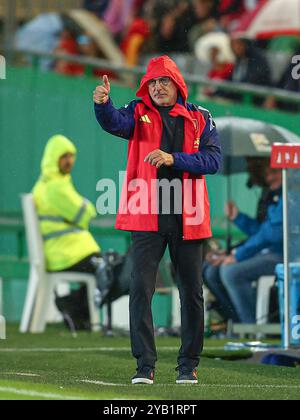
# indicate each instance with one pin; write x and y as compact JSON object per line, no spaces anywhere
{"x":141,"y":123}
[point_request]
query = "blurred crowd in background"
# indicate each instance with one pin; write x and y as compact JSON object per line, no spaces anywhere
{"x":201,"y":35}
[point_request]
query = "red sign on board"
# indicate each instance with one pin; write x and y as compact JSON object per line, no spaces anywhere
{"x":285,"y":156}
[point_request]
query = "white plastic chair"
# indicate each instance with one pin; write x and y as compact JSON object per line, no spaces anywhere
{"x":41,"y":285}
{"x":264,"y":287}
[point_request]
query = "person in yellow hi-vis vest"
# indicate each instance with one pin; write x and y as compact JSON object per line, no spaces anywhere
{"x":65,"y":215}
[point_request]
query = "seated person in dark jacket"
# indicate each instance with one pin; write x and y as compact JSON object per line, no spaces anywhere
{"x":230,"y":278}
{"x":96,"y":6}
{"x":289,"y":81}
{"x":251,"y":67}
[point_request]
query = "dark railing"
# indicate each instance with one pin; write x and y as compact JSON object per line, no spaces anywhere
{"x":248,"y":92}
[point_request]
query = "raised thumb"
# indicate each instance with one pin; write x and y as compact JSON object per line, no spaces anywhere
{"x":106,"y":82}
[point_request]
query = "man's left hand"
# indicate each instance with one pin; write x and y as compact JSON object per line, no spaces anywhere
{"x":158,"y":158}
{"x":230,"y":260}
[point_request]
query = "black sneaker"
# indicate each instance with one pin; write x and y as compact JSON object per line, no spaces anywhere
{"x":187,"y":376}
{"x":144,"y":376}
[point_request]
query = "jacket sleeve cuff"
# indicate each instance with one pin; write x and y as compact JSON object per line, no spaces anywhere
{"x":238,"y":221}
{"x":238,"y":254}
{"x":242,"y":254}
{"x":103,"y":107}
{"x":176,"y":157}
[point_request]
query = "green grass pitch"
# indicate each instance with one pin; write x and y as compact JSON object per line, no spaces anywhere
{"x":57,"y":366}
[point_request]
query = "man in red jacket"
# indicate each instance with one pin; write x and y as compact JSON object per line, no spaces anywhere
{"x":173,"y":141}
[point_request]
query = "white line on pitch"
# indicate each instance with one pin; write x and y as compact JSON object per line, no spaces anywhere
{"x":87,"y":349}
{"x":86,"y":381}
{"x":35,"y":394}
{"x":20,"y":374}
{"x":268,"y":386}
{"x":64,"y":350}
{"x":229,"y":386}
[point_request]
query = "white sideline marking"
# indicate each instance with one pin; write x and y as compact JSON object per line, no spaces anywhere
{"x":88,"y":349}
{"x":232,"y":386}
{"x":22,"y":374}
{"x":34,"y":394}
{"x":86,"y":381}
{"x":64,"y":350}
{"x":48,"y":396}
{"x":251,"y":386}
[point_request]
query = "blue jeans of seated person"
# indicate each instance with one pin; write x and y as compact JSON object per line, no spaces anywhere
{"x":232,"y":284}
{"x":212,"y":280}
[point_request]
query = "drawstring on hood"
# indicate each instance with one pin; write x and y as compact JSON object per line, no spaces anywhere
{"x":163,"y":66}
{"x":56,"y":147}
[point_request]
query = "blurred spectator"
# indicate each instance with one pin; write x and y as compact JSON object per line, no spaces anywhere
{"x":229,"y":12}
{"x":138,"y":32}
{"x":256,"y":168}
{"x":220,"y":70}
{"x":118,"y":16}
{"x":96,"y":6}
{"x":40,"y":34}
{"x":88,"y":47}
{"x":68,"y":45}
{"x":82,"y":45}
{"x":289,"y":83}
{"x":251,"y":65}
{"x":173,"y":20}
{"x":230,"y":278}
{"x":206,"y":14}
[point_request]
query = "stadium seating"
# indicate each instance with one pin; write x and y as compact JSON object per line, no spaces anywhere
{"x":25,"y":10}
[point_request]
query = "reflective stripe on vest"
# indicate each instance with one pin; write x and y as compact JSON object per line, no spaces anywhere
{"x":52,"y":219}
{"x":80,"y":213}
{"x":61,"y":233}
{"x":59,"y":219}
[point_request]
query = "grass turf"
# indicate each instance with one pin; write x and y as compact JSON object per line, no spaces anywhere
{"x":56,"y":366}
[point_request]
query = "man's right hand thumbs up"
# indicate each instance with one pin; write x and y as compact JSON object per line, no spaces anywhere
{"x":101,"y":94}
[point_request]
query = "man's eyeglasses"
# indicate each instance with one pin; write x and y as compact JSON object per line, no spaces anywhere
{"x":163,"y":81}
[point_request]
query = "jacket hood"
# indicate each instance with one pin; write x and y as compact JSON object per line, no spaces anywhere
{"x":161,"y":67}
{"x":56,"y":147}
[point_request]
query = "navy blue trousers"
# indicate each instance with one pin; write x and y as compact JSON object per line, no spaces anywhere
{"x":148,"y":249}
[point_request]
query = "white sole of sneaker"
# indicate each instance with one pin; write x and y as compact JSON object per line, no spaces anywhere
{"x":187,"y":382}
{"x":142,"y":381}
